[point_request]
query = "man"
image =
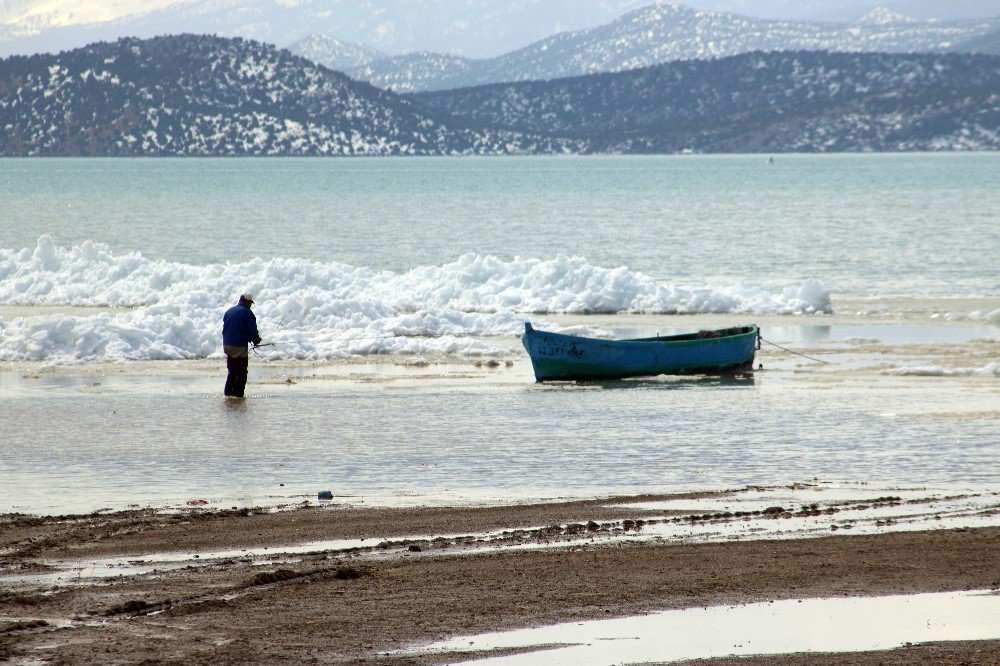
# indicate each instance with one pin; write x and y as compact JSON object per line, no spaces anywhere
{"x":239,"y":329}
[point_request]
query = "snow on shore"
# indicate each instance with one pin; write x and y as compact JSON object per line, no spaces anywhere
{"x":325,"y":310}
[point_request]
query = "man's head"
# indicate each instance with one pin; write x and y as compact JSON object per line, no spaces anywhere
{"x":246,"y":299}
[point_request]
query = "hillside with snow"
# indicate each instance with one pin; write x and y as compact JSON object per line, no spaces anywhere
{"x":335,"y":54}
{"x":194,"y":95}
{"x":203,"y":95}
{"x":667,"y":32}
{"x":758,"y":102}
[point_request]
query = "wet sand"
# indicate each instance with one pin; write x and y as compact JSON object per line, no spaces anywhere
{"x":356,"y":605}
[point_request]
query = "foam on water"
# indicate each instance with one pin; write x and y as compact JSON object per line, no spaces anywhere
{"x":975,"y":315}
{"x":326,"y":310}
{"x":988,"y":370}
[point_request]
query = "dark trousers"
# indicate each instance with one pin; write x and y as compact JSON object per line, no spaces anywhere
{"x":236,"y":382}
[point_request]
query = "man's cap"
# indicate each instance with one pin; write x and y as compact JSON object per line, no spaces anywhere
{"x":248,"y":297}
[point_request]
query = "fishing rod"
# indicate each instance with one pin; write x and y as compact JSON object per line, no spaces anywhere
{"x":266,"y":344}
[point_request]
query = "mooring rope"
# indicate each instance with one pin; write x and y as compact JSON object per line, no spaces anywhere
{"x":796,"y":353}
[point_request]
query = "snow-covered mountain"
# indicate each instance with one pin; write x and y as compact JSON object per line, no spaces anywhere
{"x":34,"y":16}
{"x":848,"y":10}
{"x":334,"y":53}
{"x":475,"y":28}
{"x":883,"y":16}
{"x":201,"y":95}
{"x":191,"y":95}
{"x":768,"y":102}
{"x":665,"y":32}
{"x":988,"y":43}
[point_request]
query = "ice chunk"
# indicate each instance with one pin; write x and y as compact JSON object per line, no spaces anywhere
{"x":328,"y":310}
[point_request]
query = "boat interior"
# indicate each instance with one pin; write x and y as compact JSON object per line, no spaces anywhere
{"x":699,"y":335}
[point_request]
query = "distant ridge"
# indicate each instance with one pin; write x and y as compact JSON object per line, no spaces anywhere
{"x":335,"y":54}
{"x":757,"y":102}
{"x":200,"y":95}
{"x":477,"y":28}
{"x":988,"y":43}
{"x":662,"y":33}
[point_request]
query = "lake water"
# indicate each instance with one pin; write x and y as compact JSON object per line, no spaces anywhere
{"x":871,"y":224}
{"x":386,"y":281}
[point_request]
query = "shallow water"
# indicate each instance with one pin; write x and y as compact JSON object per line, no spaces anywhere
{"x":779,"y":627}
{"x":461,"y":433}
{"x":83,"y":429}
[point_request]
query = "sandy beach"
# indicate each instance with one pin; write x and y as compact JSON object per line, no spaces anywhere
{"x":387,"y":590}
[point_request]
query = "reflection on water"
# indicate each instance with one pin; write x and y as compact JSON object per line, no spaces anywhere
{"x":779,"y":627}
{"x":663,"y":383}
{"x":812,"y":333}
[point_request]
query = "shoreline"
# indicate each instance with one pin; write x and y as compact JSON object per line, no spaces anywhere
{"x":442,"y":547}
{"x":894,"y":325}
{"x":356,"y":605}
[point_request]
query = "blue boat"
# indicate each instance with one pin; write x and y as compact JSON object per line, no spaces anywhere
{"x":555,"y":356}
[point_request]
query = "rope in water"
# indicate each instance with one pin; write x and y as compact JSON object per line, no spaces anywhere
{"x":795,"y":352}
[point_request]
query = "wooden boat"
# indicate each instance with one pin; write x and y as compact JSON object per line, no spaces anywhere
{"x":555,"y":356}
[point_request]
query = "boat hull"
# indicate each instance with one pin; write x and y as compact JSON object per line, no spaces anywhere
{"x":555,"y":356}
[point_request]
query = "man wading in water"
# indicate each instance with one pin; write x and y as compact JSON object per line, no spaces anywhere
{"x":239,"y":329}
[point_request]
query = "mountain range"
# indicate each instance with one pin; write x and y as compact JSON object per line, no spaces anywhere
{"x":470,"y":28}
{"x":647,"y":36}
{"x":205,"y":95}
{"x":756,"y":102}
{"x":845,"y":11}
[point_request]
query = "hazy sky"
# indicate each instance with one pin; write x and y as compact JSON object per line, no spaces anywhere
{"x":476,"y":28}
{"x":65,"y":12}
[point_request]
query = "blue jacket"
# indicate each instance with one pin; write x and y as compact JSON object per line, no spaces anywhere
{"x":239,"y":327}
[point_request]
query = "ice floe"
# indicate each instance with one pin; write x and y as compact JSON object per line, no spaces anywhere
{"x":323,"y":310}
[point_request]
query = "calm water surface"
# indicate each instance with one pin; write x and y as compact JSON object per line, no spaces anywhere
{"x":896,"y":224}
{"x":166,"y":440}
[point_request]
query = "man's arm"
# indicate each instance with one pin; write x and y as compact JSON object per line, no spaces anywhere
{"x":254,"y":335}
